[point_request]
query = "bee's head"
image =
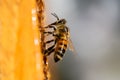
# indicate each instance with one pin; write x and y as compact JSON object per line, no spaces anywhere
{"x":59,"y":21}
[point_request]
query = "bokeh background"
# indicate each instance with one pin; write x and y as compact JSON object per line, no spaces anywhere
{"x":95,"y":32}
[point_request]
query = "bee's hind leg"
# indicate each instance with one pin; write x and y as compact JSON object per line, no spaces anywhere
{"x":50,"y":49}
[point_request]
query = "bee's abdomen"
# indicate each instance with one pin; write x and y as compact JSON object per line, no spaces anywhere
{"x":60,"y":49}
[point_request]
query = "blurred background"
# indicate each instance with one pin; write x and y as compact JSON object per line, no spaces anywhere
{"x":95,"y":32}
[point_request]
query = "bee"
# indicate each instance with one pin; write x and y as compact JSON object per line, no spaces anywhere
{"x":61,"y":38}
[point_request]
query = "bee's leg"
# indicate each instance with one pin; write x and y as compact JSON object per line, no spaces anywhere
{"x":48,"y":27}
{"x":51,"y":26}
{"x":48,"y":33}
{"x":56,"y":35}
{"x":49,"y":41}
{"x":50,"y":49}
{"x":49,"y":52}
{"x":51,"y":33}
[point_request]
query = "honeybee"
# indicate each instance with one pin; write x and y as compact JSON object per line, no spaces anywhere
{"x":61,"y":39}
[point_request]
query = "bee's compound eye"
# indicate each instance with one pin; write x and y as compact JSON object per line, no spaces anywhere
{"x":60,"y":22}
{"x":62,"y":30}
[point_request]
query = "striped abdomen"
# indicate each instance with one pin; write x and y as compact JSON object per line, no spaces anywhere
{"x":60,"y":49}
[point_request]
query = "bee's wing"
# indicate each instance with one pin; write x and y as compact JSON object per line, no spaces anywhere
{"x":71,"y":46}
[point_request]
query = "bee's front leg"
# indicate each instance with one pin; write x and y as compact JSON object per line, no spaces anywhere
{"x":51,"y":26}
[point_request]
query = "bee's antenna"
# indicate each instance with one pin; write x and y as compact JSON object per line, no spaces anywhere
{"x":55,"y":15}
